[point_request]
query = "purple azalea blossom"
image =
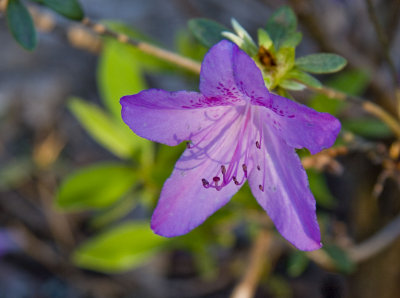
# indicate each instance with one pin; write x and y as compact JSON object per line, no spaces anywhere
{"x":236,"y":131}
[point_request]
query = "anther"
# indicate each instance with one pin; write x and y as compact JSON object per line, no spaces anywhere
{"x":188,"y":145}
{"x":258,"y":168}
{"x":244,"y":167}
{"x":205,"y":183}
{"x":223,"y":170}
{"x":235,"y":180}
{"x":258,"y":145}
{"x":261,"y":187}
{"x":216,"y":179}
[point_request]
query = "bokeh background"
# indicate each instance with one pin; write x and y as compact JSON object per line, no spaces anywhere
{"x":54,"y":246}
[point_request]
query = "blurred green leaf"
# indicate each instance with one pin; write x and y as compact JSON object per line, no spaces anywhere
{"x":281,"y":24}
{"x":207,"y":31}
{"x":303,"y":77}
{"x":21,"y":25}
{"x":70,"y":9}
{"x":320,"y":189}
{"x":298,"y":262}
{"x":95,"y":186}
{"x":291,"y":85}
{"x":122,"y":248}
{"x":339,"y":258}
{"x":292,"y":39}
{"x":321,"y":63}
{"x":118,"y":74}
{"x":352,"y":82}
{"x":264,"y":39}
{"x":108,"y":132}
{"x":367,"y":127}
{"x":189,"y":47}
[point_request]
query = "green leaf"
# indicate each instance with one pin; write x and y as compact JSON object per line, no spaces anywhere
{"x":68,"y":8}
{"x":264,"y":39}
{"x":298,"y":262}
{"x":320,"y":189}
{"x":122,"y":248}
{"x":291,"y":85}
{"x":303,"y":77}
{"x":21,"y":25}
{"x":282,"y":23}
{"x":292,"y":39}
{"x":207,"y":31}
{"x":105,"y":130}
{"x":118,"y":74}
{"x":96,"y":186}
{"x":321,"y":63}
{"x":367,"y":127}
{"x":339,"y":258}
{"x":351,"y":82}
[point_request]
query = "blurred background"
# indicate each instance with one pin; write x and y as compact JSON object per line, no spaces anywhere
{"x":77,"y":188}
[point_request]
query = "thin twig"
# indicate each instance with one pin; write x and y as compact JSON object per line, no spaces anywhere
{"x":172,"y":57}
{"x":258,"y":264}
{"x":382,"y":39}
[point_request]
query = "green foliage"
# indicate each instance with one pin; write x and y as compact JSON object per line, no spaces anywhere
{"x":340,"y":259}
{"x":298,"y":262}
{"x":121,"y":248}
{"x":282,"y":26}
{"x":70,"y":9}
{"x":96,"y":186}
{"x":207,"y":31}
{"x":118,"y":74}
{"x":320,"y":189}
{"x":321,"y":63}
{"x":108,"y":132}
{"x":350,"y":82}
{"x":368,"y":127}
{"x":21,"y":25}
{"x":303,"y":77}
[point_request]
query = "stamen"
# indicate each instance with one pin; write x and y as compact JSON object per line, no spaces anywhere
{"x":235,"y":180}
{"x":216,"y":179}
{"x":188,"y":145}
{"x":258,"y":168}
{"x":261,"y":187}
{"x":223,"y":170}
{"x":258,"y":145}
{"x":244,"y":167}
{"x":205,"y":183}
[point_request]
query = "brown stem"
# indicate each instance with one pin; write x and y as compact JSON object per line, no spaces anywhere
{"x":172,"y":57}
{"x":258,"y":261}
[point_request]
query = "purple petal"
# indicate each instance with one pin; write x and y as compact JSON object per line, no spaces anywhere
{"x":216,"y":76}
{"x":186,"y":201}
{"x":248,"y":76}
{"x":279,"y":183}
{"x":168,"y":117}
{"x":300,"y":126}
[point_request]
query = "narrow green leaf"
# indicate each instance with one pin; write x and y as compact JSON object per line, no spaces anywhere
{"x":281,"y":23}
{"x":70,"y":9}
{"x":264,"y":39}
{"x":96,"y":186}
{"x":105,"y":130}
{"x":339,"y":258}
{"x":291,"y":85}
{"x":118,"y":74}
{"x":367,"y":127}
{"x":207,"y":31}
{"x":122,"y":248}
{"x":303,"y":77}
{"x":298,"y":262}
{"x":21,"y":25}
{"x":321,"y":63}
{"x":320,"y":189}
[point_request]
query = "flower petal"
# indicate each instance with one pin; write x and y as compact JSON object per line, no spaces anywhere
{"x":185,"y":200}
{"x":279,"y":183}
{"x":168,"y":117}
{"x":301,"y":126}
{"x":216,"y":77}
